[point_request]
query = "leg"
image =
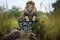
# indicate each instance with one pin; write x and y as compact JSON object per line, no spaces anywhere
{"x":26,"y":17}
{"x":34,"y":18}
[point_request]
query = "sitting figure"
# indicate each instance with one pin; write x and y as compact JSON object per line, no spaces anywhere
{"x":29,"y":12}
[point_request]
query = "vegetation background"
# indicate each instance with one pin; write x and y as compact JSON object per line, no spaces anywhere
{"x":48,"y":27}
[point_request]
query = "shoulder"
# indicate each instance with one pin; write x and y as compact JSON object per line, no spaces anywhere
{"x":34,"y":9}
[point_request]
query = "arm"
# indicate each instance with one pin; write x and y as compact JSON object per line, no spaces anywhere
{"x":34,"y":11}
{"x":25,"y":10}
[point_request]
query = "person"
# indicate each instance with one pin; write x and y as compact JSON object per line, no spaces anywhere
{"x":29,"y":12}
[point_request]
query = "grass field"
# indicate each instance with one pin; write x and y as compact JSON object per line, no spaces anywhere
{"x":48,"y":27}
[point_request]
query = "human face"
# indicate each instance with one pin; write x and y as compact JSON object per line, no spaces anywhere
{"x":30,"y":7}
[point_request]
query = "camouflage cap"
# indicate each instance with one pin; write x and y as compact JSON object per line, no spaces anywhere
{"x":30,"y":2}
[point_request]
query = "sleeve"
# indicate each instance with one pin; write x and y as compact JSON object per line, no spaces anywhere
{"x":23,"y":12}
{"x":34,"y":12}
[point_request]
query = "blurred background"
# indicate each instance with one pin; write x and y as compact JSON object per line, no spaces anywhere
{"x":48,"y":11}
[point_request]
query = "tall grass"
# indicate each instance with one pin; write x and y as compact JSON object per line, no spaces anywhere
{"x":47,"y":27}
{"x":7,"y":22}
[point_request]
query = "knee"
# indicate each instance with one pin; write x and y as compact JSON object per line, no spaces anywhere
{"x":34,"y":16}
{"x":26,"y":17}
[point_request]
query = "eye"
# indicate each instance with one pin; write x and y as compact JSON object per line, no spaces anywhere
{"x":28,"y":4}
